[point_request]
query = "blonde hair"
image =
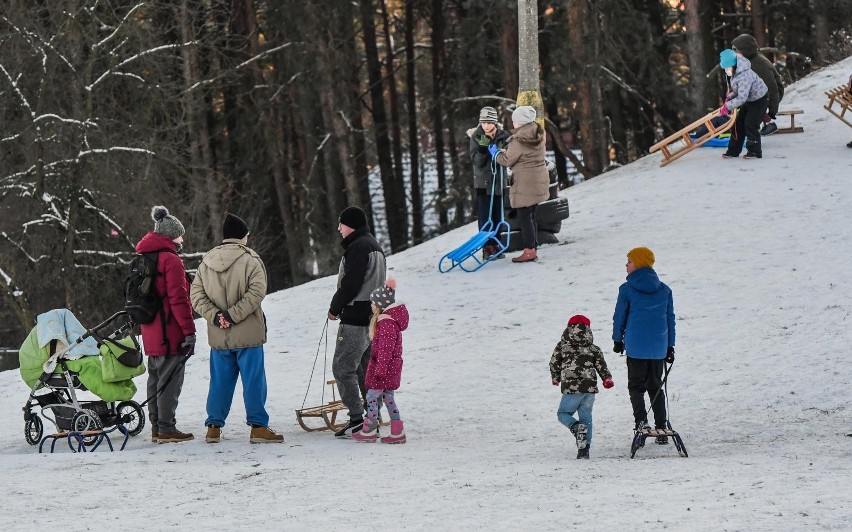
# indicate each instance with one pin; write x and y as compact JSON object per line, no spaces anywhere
{"x":374,"y":320}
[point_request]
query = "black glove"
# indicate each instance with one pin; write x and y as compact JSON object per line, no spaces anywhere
{"x":188,"y":343}
{"x":669,"y":355}
{"x":618,"y":347}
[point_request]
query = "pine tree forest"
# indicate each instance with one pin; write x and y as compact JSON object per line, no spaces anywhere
{"x":285,"y":112}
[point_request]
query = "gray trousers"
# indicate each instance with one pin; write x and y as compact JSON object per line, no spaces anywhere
{"x":161,"y":411}
{"x":351,"y":356}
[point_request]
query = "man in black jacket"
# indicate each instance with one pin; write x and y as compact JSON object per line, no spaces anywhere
{"x":362,"y":270}
{"x":746,"y":45}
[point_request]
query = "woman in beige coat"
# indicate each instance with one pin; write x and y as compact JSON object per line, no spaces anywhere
{"x":525,"y":156}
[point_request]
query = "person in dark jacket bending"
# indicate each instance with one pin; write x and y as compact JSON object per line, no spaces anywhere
{"x":362,"y":270}
{"x":746,"y":46}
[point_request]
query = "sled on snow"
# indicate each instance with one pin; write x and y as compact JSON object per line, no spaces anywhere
{"x":679,"y":144}
{"x":839,"y":102}
{"x":327,"y":412}
{"x":645,"y":432}
{"x":792,"y":128}
{"x":465,"y":256}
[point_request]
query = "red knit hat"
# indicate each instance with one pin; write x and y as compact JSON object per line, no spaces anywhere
{"x":579,"y":318}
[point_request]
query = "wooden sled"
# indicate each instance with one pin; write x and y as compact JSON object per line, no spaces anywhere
{"x":841,"y":97}
{"x":793,"y":128}
{"x":672,"y":152}
{"x":328,"y":412}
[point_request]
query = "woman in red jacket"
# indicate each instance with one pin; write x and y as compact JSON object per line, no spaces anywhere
{"x":171,"y":333}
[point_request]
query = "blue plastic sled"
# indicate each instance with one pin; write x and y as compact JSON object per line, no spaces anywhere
{"x":717,"y":142}
{"x":465,"y":256}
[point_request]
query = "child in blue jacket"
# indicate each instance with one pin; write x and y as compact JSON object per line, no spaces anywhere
{"x":644,"y":325}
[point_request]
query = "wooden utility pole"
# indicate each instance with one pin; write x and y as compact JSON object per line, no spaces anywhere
{"x":529,"y":92}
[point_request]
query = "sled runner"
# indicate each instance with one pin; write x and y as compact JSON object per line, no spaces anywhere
{"x":328,"y":413}
{"x":792,"y":128}
{"x":465,"y":256}
{"x":672,"y":151}
{"x":642,"y":433}
{"x":78,"y":441}
{"x":839,"y":102}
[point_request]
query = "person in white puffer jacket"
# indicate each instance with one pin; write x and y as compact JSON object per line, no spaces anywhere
{"x":748,"y":93}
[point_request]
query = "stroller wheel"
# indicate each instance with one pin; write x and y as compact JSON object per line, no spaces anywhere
{"x":85,"y":420}
{"x":130,"y":414}
{"x":33,"y":430}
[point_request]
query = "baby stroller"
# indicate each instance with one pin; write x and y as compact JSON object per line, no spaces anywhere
{"x":60,"y":358}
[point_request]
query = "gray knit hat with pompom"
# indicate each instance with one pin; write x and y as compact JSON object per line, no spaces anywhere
{"x":165,"y":223}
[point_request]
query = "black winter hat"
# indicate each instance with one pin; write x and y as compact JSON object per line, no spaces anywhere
{"x":234,"y":227}
{"x":353,"y":217}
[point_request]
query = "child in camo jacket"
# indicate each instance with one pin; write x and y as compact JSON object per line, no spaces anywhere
{"x":574,"y":364}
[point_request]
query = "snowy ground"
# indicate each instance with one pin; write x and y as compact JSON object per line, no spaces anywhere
{"x":758,"y":256}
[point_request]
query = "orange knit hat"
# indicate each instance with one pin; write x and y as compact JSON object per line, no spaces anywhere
{"x":641,"y":257}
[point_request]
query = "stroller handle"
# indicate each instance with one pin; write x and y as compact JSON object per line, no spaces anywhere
{"x":94,"y":330}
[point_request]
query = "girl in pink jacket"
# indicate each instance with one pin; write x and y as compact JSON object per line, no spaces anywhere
{"x":384,"y":371}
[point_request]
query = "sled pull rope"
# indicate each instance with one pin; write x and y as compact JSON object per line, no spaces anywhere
{"x":324,"y":335}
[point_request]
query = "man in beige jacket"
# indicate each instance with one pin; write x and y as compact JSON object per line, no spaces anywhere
{"x":227,"y":291}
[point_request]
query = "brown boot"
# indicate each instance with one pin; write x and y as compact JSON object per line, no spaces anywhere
{"x":155,"y":436}
{"x":528,"y":255}
{"x":175,"y":437}
{"x":214,"y":434}
{"x":265,"y":435}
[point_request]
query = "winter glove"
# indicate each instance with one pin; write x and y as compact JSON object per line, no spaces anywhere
{"x":724,"y":111}
{"x":767,"y":118}
{"x":618,"y":347}
{"x":670,"y":355}
{"x":607,"y":383}
{"x":222,"y":320}
{"x":188,"y":343}
{"x":493,"y":150}
{"x":483,"y":141}
{"x":771,"y":116}
{"x":555,"y":382}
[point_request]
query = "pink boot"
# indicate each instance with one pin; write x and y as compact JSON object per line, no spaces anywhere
{"x":397,"y":434}
{"x":367,"y":433}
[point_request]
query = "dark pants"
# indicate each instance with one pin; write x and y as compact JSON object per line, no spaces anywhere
{"x":483,"y":202}
{"x":749,"y":120}
{"x":643,"y":376}
{"x":161,"y":411}
{"x":529,"y":227}
{"x":349,"y":366}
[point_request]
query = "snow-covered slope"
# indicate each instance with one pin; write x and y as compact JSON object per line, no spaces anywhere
{"x":758,"y":256}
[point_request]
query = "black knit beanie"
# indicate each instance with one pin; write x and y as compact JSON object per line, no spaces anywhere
{"x":234,"y":227}
{"x":353,"y":217}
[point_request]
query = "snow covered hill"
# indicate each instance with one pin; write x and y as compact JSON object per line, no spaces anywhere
{"x":758,"y":256}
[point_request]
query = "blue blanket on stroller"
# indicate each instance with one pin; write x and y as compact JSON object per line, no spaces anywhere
{"x":35,"y":351}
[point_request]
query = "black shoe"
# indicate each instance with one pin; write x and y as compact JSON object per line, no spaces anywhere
{"x":849,"y":144}
{"x":662,"y":440}
{"x":750,"y":155}
{"x":727,"y":155}
{"x":354,"y":425}
{"x":583,"y":453}
{"x":768,"y":128}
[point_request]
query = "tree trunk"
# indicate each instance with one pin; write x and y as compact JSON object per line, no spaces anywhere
{"x":758,"y":22}
{"x":204,"y":181}
{"x":393,"y":99}
{"x":437,"y":107}
{"x":528,"y":68}
{"x":413,"y":128}
{"x":394,"y":193}
{"x":578,"y":20}
{"x":699,"y":49}
{"x":821,"y":32}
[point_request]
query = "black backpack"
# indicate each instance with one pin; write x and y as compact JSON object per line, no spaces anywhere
{"x":141,"y":300}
